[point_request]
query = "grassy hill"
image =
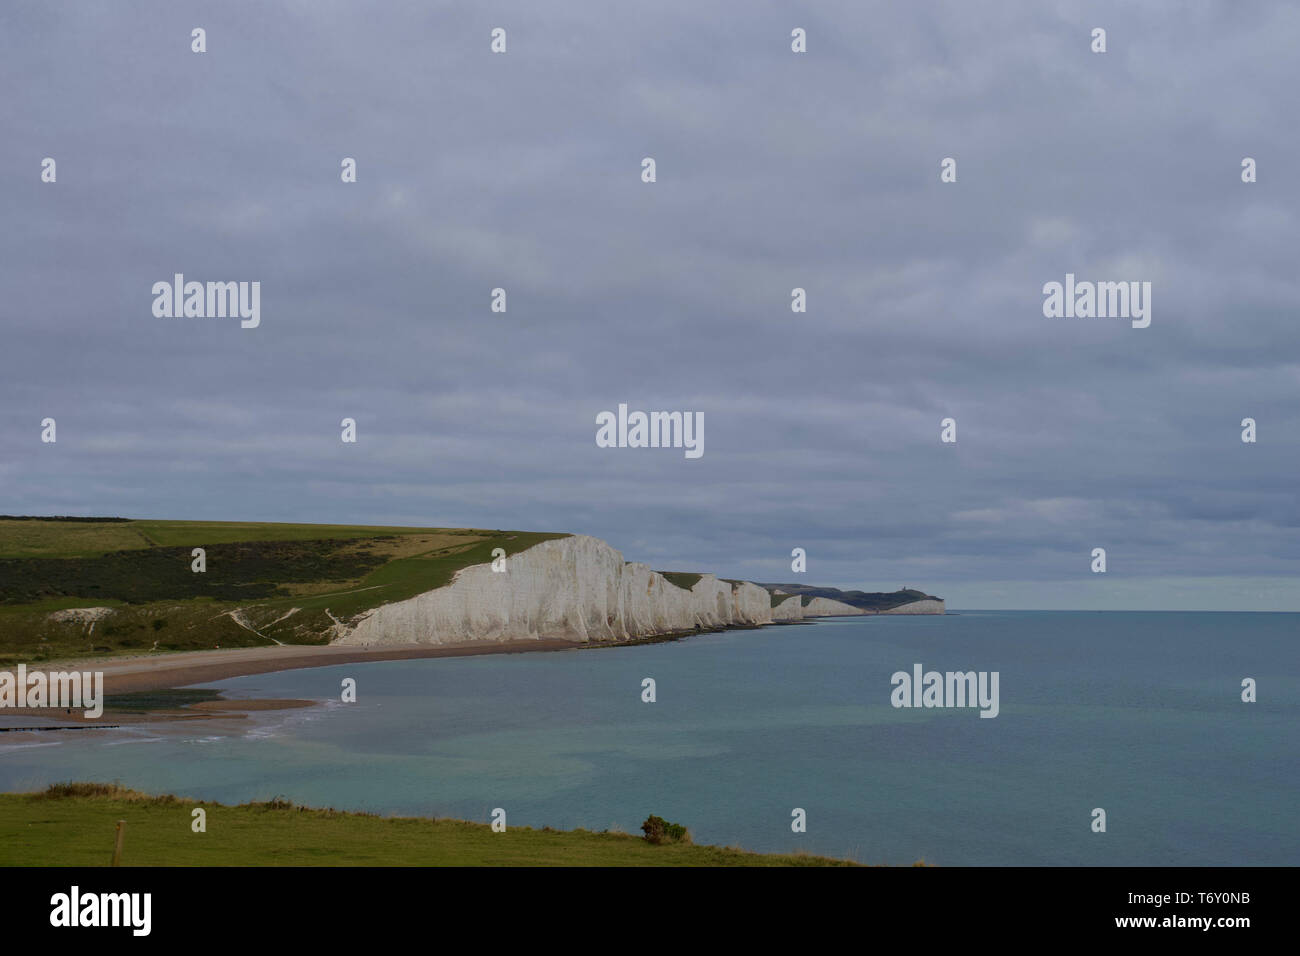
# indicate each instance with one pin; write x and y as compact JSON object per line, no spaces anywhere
{"x":682,"y":579}
{"x":866,"y":600}
{"x":265,"y":583}
{"x":73,"y":825}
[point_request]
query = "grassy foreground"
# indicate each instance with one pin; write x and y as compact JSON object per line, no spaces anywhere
{"x":73,"y":825}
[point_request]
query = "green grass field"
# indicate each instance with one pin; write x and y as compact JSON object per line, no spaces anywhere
{"x":74,"y":824}
{"x":43,"y":537}
{"x":682,"y":579}
{"x":287,"y":583}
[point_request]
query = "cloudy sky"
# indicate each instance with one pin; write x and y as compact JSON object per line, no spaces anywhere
{"x":775,"y":170}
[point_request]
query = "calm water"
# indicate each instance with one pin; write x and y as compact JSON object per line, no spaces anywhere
{"x":1138,"y":713}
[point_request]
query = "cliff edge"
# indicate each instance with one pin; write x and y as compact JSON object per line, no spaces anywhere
{"x":579,"y":589}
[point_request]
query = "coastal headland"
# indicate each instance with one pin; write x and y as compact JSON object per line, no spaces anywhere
{"x":165,"y":604}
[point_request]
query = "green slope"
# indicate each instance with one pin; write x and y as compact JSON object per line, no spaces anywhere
{"x":866,"y":600}
{"x":284,"y":583}
{"x":74,"y":824}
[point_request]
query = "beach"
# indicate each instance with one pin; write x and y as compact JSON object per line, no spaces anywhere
{"x":125,"y":675}
{"x":166,"y":671}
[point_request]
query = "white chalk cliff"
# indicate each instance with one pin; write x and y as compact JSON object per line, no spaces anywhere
{"x":576,"y":589}
{"x":826,"y":607}
{"x":927,"y":606}
{"x":791,"y":610}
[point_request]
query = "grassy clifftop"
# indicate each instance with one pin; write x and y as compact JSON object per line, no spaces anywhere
{"x":866,"y":600}
{"x":265,"y":583}
{"x":73,"y":825}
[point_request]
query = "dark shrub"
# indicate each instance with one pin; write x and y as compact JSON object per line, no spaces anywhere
{"x":658,"y":830}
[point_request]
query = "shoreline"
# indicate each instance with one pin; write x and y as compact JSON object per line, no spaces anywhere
{"x":170,"y":670}
{"x":174,"y":670}
{"x":189,"y":668}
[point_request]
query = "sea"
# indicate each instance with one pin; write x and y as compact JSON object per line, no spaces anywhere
{"x":786,"y":738}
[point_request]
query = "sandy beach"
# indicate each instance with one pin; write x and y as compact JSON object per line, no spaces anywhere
{"x":161,"y":671}
{"x":167,"y":671}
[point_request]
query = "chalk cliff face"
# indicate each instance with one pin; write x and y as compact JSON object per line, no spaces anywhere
{"x":576,"y":589}
{"x":753,"y":604}
{"x":825,"y":607}
{"x":791,"y":609}
{"x":918,"y":607}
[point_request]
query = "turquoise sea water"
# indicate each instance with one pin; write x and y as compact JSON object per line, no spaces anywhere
{"x":1136,"y":713}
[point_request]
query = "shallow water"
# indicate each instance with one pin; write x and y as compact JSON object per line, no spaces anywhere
{"x":1136,"y":713}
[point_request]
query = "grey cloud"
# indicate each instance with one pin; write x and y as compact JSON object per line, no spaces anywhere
{"x":775,"y":171}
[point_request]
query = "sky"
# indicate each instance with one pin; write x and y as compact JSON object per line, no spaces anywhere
{"x":773,"y":170}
